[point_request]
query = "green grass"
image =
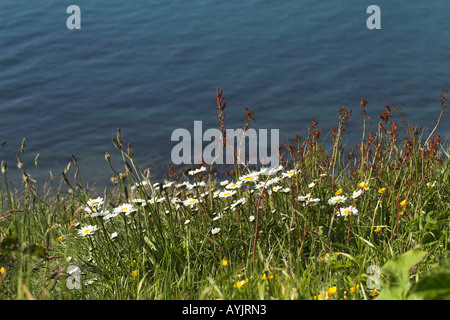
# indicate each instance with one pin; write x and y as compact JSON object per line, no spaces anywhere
{"x":274,"y":246}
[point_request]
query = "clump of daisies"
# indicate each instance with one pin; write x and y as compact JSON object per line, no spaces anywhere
{"x":94,"y":207}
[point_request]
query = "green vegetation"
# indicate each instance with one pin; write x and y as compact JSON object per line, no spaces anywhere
{"x":313,"y":228}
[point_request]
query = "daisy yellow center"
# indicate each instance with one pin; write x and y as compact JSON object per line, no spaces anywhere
{"x":337,"y":200}
{"x":347,"y":212}
{"x":192,"y":201}
{"x":227,"y":194}
{"x":249,"y":178}
{"x":290,"y":173}
{"x":94,"y":203}
{"x":124,"y":209}
{"x":86,"y":231}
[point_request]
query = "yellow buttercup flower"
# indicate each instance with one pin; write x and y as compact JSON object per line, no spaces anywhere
{"x":224,"y":262}
{"x":133,"y":262}
{"x":2,"y":270}
{"x":331,"y":291}
{"x":353,"y":289}
{"x":373,"y":292}
{"x":135,"y":273}
{"x":364,"y":185}
{"x":59,"y":238}
{"x":378,"y":229}
{"x":338,"y":192}
{"x":239,"y":284}
{"x":382,"y":190}
{"x":403,"y":203}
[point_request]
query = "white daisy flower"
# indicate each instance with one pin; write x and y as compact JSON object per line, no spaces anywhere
{"x":215,"y":230}
{"x":347,"y":211}
{"x":224,"y":182}
{"x":234,"y":185}
{"x":190,"y":202}
{"x":156,"y":185}
{"x":167,"y":185}
{"x":175,"y":200}
{"x":289,"y":173}
{"x":311,"y":185}
{"x":251,"y":218}
{"x":87,"y":230}
{"x":99,"y":214}
{"x":259,"y":185}
{"x":251,"y":177}
{"x":199,"y":184}
{"x":190,"y":186}
{"x":95,"y":202}
{"x":193,"y":172}
{"x":219,"y":216}
{"x":187,"y":221}
{"x":274,"y":189}
{"x":227,"y":194}
{"x":139,"y":184}
{"x":337,"y":199}
{"x":140,"y":202}
{"x":357,"y":193}
{"x":311,"y":202}
{"x":161,"y":200}
{"x":114,"y":235}
{"x":264,"y":171}
{"x":276,"y":169}
{"x":126,"y":208}
{"x":183,"y":184}
{"x":304,"y":198}
{"x":238,"y":202}
{"x":273,"y":181}
{"x":110,"y":215}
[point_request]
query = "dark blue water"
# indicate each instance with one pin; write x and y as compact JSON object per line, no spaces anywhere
{"x":150,"y":67}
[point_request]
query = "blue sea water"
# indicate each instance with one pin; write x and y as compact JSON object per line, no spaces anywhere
{"x":150,"y":67}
